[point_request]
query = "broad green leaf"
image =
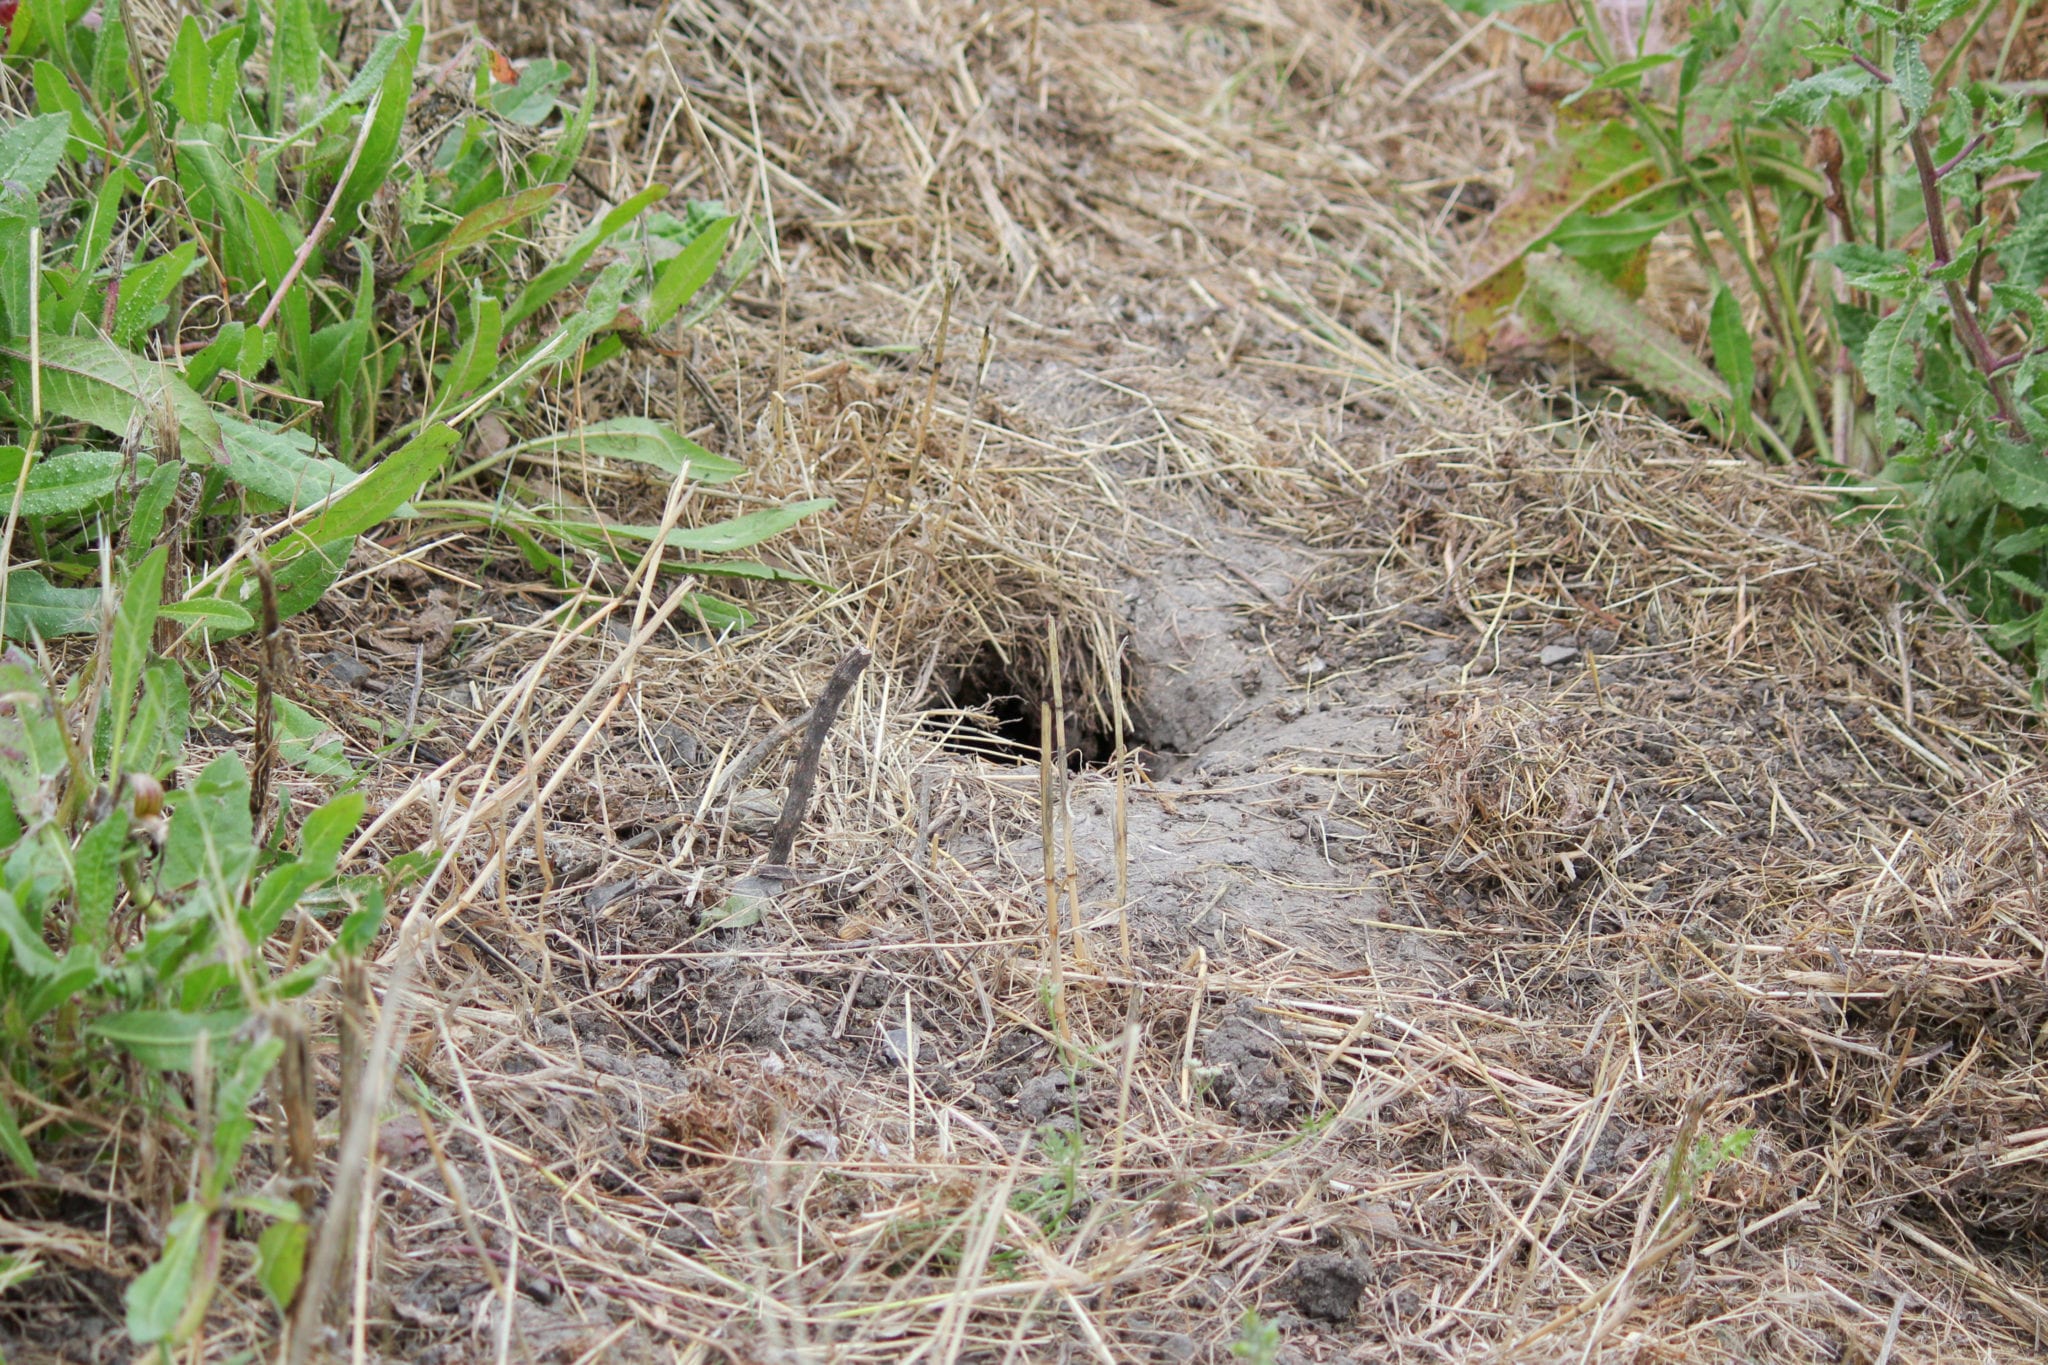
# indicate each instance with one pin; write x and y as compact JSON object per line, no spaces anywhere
{"x":55,"y":95}
{"x":281,"y":1261}
{"x":477,"y":357}
{"x":156,"y":739}
{"x":96,"y":875}
{"x":1733,"y":355}
{"x":1608,"y":322}
{"x":191,"y":73}
{"x":38,"y":608}
{"x":482,"y":225}
{"x":111,"y":80}
{"x":64,"y":313}
{"x":31,"y":149}
{"x":31,"y":956}
{"x":309,"y":743}
{"x":167,"y":1039}
{"x":1912,"y":83}
{"x":1612,"y":234}
{"x":16,"y":1149}
{"x":2023,"y":250}
{"x":213,"y":614}
{"x":1588,"y":169}
{"x":2020,"y":476}
{"x":146,"y":517}
{"x":303,"y":579}
{"x":642,"y":441}
{"x":60,"y":485}
{"x":273,"y":247}
{"x":1626,"y":75}
{"x":77,"y":972}
{"x":376,"y":495}
{"x":144,"y":290}
{"x":282,"y":465}
{"x":295,"y":47}
{"x":157,"y":1298}
{"x":128,"y":648}
{"x":529,"y":102}
{"x":211,"y":838}
{"x":558,"y":276}
{"x":1888,"y":360}
{"x":568,"y":152}
{"x":368,"y":79}
{"x":685,"y":273}
{"x":223,"y":352}
{"x":381,"y":144}
{"x":326,"y":831}
{"x":94,"y":381}
{"x":742,"y":532}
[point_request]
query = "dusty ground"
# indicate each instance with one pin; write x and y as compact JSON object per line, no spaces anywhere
{"x":1520,"y":803}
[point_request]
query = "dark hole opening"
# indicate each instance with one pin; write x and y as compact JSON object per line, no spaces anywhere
{"x":992,"y":710}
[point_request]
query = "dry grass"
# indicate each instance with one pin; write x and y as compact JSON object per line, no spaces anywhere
{"x":1769,"y":863}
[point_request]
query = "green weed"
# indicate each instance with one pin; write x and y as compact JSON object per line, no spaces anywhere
{"x":1887,"y":230}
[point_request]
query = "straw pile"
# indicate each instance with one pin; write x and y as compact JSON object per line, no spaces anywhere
{"x":1691,"y":999}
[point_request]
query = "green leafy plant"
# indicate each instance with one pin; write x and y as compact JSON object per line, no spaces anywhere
{"x":133,"y":924}
{"x":248,"y":311}
{"x":231,"y":312}
{"x":1258,"y":1339}
{"x":1873,"y":235}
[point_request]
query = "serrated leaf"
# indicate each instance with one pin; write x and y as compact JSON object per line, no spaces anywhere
{"x":1806,"y":101}
{"x":1912,"y":83}
{"x":1889,"y":357}
{"x":1609,"y":323}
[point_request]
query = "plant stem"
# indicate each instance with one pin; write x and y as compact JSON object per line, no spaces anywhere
{"x":1966,"y":324}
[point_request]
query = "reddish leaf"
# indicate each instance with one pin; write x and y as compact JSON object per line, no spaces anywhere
{"x":1590,"y":167}
{"x":502,"y":70}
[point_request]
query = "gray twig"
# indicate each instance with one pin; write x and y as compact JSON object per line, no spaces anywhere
{"x":804,"y":776}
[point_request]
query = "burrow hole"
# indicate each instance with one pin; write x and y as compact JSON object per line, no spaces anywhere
{"x":991,"y":708}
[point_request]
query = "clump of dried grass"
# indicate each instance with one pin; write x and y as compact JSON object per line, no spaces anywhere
{"x":1516,"y":802}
